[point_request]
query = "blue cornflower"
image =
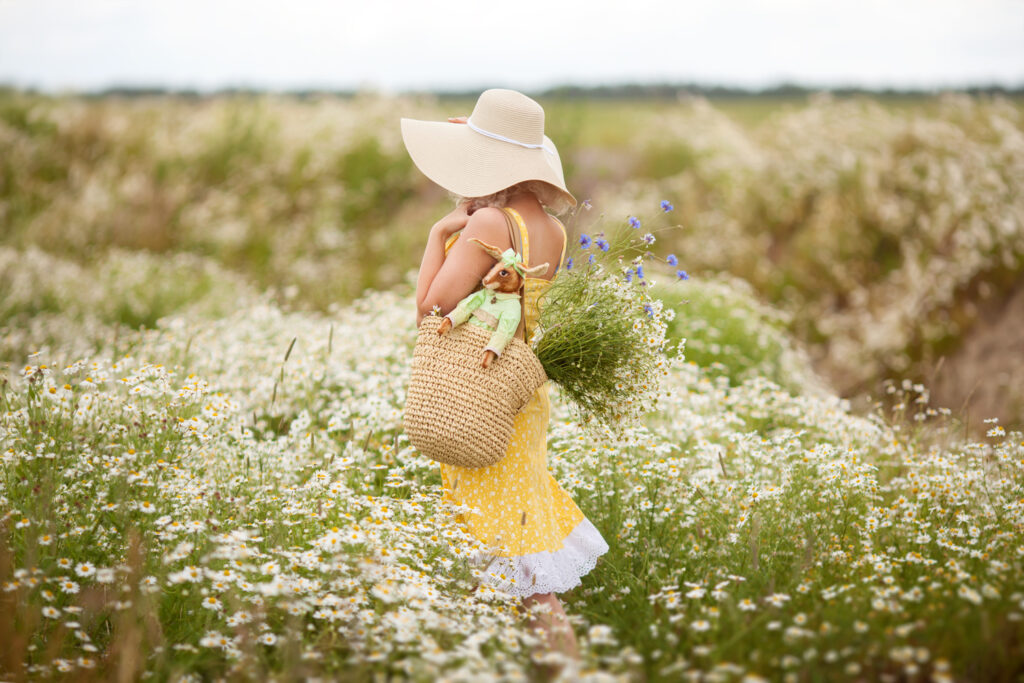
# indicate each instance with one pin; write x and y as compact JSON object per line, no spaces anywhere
{"x":648,"y":239}
{"x":584,"y":241}
{"x":640,"y":272}
{"x":629,"y":276}
{"x":590,"y":259}
{"x":665,"y":206}
{"x":649,"y":310}
{"x":672,"y":260}
{"x":681,"y":274}
{"x":602,"y":245}
{"x":634,"y":222}
{"x":568,"y":264}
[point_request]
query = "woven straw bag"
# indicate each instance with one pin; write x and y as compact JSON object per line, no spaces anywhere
{"x":458,"y":412}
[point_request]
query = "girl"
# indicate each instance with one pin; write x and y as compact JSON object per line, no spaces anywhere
{"x":504,"y":171}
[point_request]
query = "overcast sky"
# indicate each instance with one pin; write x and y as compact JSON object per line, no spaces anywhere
{"x":416,"y":44}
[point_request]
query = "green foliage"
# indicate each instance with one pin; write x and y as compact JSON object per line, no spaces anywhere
{"x":244,"y":139}
{"x":659,"y":160}
{"x":375,"y":182}
{"x":730,"y":334}
{"x":870,"y":225}
{"x":49,"y":300}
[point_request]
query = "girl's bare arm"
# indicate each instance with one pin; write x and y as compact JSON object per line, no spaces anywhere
{"x":445,"y":281}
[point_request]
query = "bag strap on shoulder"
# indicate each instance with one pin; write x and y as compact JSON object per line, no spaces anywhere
{"x":512,"y":224}
{"x":524,"y":237}
{"x":565,"y":241}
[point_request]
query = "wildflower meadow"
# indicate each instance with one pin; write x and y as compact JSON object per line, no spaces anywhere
{"x":206,"y":322}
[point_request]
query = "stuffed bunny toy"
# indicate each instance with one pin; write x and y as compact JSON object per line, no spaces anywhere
{"x":495,"y":307}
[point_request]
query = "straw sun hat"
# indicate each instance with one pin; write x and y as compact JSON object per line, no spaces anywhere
{"x":501,"y":144}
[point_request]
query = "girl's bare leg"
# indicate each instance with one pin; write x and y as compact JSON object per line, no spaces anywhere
{"x":548,"y":616}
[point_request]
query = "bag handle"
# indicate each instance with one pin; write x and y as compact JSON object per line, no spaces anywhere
{"x":512,"y":225}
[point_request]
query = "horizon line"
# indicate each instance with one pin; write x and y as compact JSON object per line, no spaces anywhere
{"x":660,"y":89}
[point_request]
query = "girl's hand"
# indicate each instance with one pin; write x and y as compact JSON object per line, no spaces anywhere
{"x":449,"y":225}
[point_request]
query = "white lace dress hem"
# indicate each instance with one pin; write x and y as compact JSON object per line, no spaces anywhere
{"x":549,"y":571}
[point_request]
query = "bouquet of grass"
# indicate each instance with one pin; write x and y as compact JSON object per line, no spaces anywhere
{"x":601,"y":335}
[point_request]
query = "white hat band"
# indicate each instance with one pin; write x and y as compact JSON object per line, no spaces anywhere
{"x":496,"y":136}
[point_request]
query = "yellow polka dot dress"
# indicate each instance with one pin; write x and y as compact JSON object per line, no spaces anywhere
{"x":537,"y":540}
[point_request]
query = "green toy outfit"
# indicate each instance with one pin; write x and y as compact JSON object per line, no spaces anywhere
{"x":539,"y":541}
{"x":497,"y":311}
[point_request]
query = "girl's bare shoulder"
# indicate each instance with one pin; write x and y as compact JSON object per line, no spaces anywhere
{"x":488,"y":225}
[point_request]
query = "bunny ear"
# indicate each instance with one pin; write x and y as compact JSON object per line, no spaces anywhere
{"x":494,"y":252}
{"x":536,"y":270}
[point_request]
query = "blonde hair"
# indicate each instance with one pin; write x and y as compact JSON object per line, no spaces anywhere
{"x":547,"y":194}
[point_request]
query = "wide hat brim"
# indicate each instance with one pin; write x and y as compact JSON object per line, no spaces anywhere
{"x":470,"y":164}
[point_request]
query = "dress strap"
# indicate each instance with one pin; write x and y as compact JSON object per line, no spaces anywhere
{"x":450,"y":242}
{"x":565,"y":241}
{"x":526,"y":239}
